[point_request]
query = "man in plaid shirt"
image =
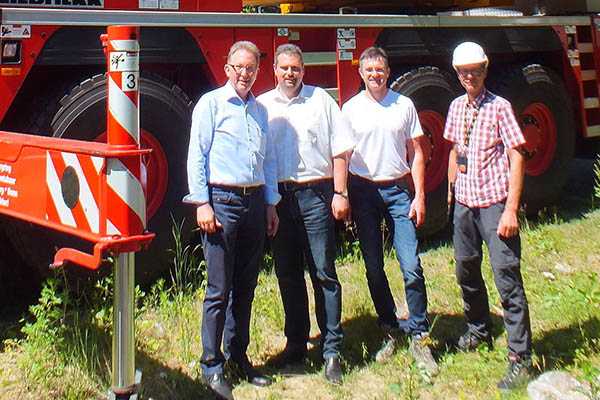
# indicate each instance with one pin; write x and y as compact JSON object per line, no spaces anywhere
{"x":485,"y":176}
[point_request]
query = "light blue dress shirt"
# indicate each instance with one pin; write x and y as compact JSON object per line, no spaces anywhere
{"x":230,"y":145}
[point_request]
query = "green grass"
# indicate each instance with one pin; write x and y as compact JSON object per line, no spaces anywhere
{"x":63,"y":351}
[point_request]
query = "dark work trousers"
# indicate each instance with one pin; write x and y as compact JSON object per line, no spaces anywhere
{"x":373,"y":202}
{"x":306,"y":234}
{"x":472,"y":226}
{"x":232,"y":259}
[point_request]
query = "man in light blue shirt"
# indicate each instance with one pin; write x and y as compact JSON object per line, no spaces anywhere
{"x":232,"y":178}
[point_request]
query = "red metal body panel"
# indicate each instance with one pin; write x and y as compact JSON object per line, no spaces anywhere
{"x":10,"y":81}
{"x":23,"y":176}
{"x":348,"y":79}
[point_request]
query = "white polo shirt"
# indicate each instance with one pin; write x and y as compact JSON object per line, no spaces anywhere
{"x":381,"y":130}
{"x":308,"y":131}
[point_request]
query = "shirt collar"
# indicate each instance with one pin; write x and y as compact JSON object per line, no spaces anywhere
{"x":280,"y":97}
{"x":479,"y":99}
{"x":230,"y":93}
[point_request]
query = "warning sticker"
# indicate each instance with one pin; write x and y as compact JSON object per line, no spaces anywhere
{"x":346,"y":44}
{"x":15,"y":31}
{"x":345,"y":55}
{"x":123,"y":61}
{"x":346,"y":33}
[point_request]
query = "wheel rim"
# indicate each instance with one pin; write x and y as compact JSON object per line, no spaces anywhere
{"x":156,"y":168}
{"x":539,"y":129}
{"x":436,"y":167}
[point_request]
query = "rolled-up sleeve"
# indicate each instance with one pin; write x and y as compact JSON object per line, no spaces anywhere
{"x":201,"y":135}
{"x":272,"y":195}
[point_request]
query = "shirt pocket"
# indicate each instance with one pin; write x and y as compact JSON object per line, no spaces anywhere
{"x":311,"y":130}
{"x":488,"y":135}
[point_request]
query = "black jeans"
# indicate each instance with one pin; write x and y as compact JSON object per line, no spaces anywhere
{"x":232,"y":259}
{"x":306,"y":234}
{"x":472,"y":226}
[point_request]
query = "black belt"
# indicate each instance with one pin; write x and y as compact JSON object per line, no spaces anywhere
{"x":291,"y":186}
{"x":239,"y":190}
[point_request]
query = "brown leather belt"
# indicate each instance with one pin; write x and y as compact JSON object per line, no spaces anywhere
{"x":239,"y":190}
{"x":290,"y":186}
{"x":404,"y":180}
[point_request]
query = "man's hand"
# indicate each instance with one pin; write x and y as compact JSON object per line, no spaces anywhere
{"x":340,"y":206}
{"x":272,"y":220}
{"x":205,"y":217}
{"x":417,"y":210}
{"x":508,"y":225}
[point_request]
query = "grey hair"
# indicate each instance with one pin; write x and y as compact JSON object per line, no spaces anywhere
{"x":289,"y":49}
{"x":244,"y":45}
{"x":374,"y":53}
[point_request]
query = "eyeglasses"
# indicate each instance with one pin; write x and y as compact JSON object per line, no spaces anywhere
{"x":475,"y":72}
{"x":249,"y":69}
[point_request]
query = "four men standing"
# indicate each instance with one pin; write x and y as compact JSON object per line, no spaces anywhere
{"x":294,"y":145}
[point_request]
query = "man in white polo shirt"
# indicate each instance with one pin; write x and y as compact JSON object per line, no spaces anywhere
{"x":312,"y":142}
{"x":387,"y":128}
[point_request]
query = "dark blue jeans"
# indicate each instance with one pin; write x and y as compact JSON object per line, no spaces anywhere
{"x":306,"y":235}
{"x":232,"y":259}
{"x":472,"y":227}
{"x":371,"y":203}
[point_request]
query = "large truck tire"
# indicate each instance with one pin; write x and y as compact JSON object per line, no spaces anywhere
{"x":432,"y":91}
{"x":543,"y":108}
{"x":165,"y":116}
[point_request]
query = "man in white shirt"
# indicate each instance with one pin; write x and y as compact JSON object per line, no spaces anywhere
{"x":312,"y":142}
{"x":387,"y":129}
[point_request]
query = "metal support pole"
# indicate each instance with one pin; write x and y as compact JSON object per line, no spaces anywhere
{"x":124,"y":178}
{"x":123,"y":344}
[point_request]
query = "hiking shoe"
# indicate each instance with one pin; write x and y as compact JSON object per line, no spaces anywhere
{"x":420,"y":351}
{"x":470,"y":342}
{"x":387,"y":349}
{"x":517,"y":374}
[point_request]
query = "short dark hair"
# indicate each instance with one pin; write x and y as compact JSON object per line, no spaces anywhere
{"x":373,"y":53}
{"x":289,"y":49}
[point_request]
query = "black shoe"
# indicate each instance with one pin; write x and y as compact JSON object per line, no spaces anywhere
{"x":333,"y":370}
{"x":219,"y":385}
{"x":292,"y":354}
{"x":470,"y":342}
{"x":247,"y":371}
{"x":517,"y":374}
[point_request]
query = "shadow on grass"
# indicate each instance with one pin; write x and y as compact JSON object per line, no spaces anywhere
{"x":559,"y":347}
{"x":363,"y":338}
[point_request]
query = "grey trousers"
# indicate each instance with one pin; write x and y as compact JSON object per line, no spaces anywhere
{"x":472,"y":226}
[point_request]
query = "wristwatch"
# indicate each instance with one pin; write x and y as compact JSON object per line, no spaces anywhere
{"x":343,"y":193}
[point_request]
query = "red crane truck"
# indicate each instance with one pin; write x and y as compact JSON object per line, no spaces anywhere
{"x":52,"y":81}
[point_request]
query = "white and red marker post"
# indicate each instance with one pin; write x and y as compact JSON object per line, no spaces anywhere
{"x":125,"y":195}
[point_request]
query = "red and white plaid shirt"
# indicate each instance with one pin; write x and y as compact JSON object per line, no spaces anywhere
{"x":496,"y":129}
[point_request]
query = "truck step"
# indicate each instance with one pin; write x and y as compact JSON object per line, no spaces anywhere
{"x":588,"y":75}
{"x":319,"y":58}
{"x":585,"y":47}
{"x":593,"y":131}
{"x":591,"y":102}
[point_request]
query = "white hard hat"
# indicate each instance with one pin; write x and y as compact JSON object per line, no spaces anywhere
{"x":468,"y":53}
